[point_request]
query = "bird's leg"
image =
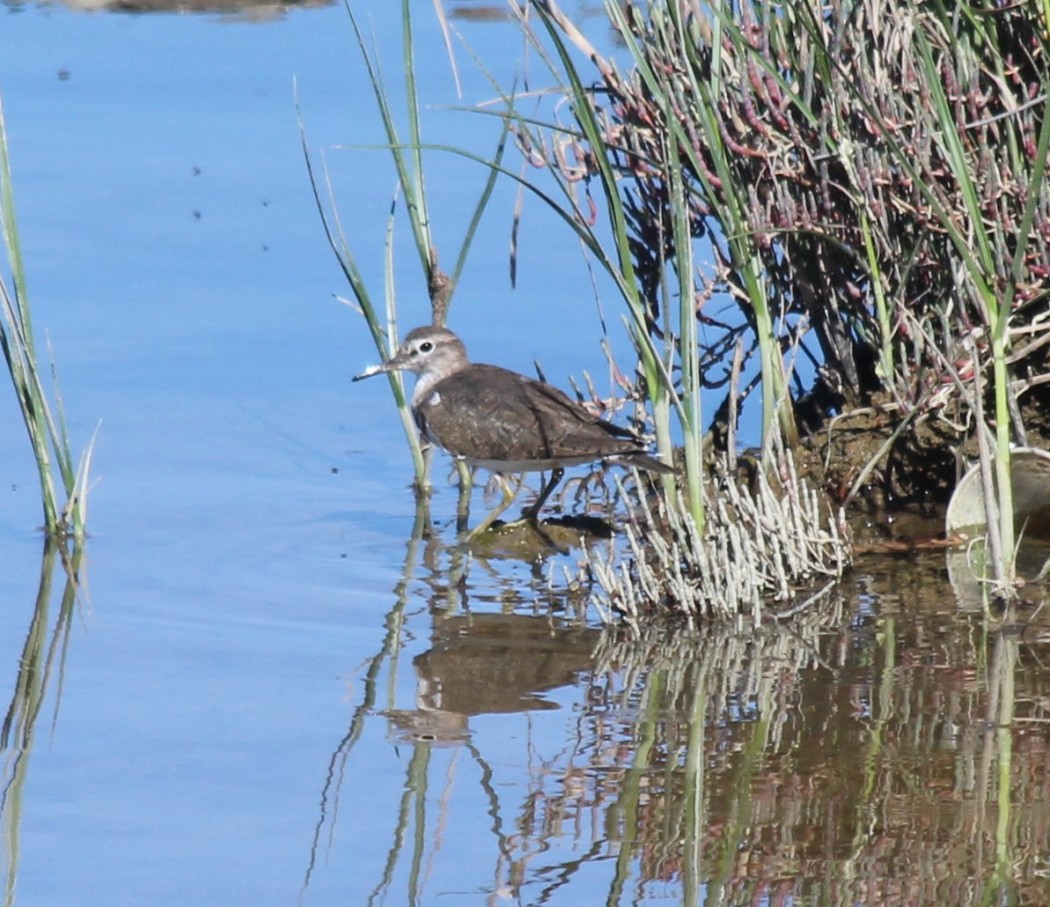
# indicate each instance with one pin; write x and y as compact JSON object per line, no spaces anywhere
{"x":466,"y":485}
{"x":508,"y":499}
{"x":530,"y":513}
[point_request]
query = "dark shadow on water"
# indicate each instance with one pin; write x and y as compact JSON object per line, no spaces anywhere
{"x":530,"y":540}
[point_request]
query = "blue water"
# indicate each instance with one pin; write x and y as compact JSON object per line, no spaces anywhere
{"x":250,"y":508}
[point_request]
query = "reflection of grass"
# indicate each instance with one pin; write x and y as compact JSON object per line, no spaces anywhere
{"x":42,"y":654}
{"x":863,"y":752}
{"x":832,"y":762}
{"x":48,"y":437}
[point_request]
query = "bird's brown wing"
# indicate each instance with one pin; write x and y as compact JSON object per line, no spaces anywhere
{"x":559,"y":400}
{"x":490,"y":413}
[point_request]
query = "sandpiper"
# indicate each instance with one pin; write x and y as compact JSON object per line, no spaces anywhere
{"x":501,"y":420}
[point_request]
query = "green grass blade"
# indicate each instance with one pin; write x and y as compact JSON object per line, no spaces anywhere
{"x":48,"y":439}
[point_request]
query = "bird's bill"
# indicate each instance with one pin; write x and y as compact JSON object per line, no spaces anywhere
{"x":373,"y":370}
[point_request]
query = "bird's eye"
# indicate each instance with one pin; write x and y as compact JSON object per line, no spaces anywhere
{"x":426,"y":346}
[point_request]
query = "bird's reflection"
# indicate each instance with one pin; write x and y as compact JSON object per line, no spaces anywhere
{"x":489,"y":664}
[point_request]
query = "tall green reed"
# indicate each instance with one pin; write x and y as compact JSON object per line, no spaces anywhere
{"x":870,"y":182}
{"x":668,"y":110}
{"x":407,"y":158}
{"x":48,"y":435}
{"x":541,"y":140}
